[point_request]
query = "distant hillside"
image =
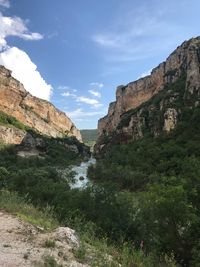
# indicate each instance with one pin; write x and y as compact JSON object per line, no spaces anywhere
{"x":89,"y":135}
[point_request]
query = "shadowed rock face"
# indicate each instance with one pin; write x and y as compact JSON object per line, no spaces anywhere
{"x":185,"y":60}
{"x":32,"y":111}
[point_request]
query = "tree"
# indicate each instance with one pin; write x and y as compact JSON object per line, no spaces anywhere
{"x":3,"y":177}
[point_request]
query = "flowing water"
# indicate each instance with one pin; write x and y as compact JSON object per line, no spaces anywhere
{"x":81,"y":179}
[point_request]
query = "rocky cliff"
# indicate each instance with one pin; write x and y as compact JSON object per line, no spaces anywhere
{"x":36,"y":113}
{"x":154,"y":103}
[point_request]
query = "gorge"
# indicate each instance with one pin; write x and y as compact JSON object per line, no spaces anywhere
{"x":141,"y":207}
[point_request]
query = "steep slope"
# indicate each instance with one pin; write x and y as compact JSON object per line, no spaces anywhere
{"x":36,"y":113}
{"x":23,"y":244}
{"x":154,"y":103}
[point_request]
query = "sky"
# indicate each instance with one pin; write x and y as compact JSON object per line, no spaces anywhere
{"x":74,"y":53}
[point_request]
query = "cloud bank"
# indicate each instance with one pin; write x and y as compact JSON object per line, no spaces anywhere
{"x":18,"y":61}
{"x":24,"y":70}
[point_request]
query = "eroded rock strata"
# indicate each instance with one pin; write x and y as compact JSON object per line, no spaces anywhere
{"x":36,"y":113}
{"x":152,"y":102}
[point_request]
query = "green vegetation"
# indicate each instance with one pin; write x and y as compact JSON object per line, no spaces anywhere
{"x":89,"y":135}
{"x":49,"y":261}
{"x":50,"y":243}
{"x":100,"y":214}
{"x":157,"y":181}
{"x":143,"y":207}
{"x":10,"y":121}
{"x":58,"y":153}
{"x":22,"y":207}
{"x":105,"y":254}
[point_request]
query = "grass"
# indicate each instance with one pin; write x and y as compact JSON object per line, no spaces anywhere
{"x":99,"y":252}
{"x":13,"y":203}
{"x":49,"y":261}
{"x":80,"y":253}
{"x":49,"y":243}
{"x":93,"y":251}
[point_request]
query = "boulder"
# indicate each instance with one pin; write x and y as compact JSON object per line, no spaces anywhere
{"x":68,"y":235}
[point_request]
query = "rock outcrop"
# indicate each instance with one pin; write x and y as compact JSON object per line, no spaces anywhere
{"x":126,"y":119}
{"x":32,"y":111}
{"x":170,"y":119}
{"x":10,"y":135}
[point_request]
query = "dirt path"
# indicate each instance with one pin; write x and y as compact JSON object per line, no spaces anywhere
{"x":23,"y":245}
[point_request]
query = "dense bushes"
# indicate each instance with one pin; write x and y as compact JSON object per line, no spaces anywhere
{"x":146,"y":195}
{"x":101,"y":210}
{"x":162,"y":176}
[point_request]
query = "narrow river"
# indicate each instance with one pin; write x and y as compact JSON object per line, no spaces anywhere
{"x":81,"y":179}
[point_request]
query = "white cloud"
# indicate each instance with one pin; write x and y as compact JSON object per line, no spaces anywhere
{"x":24,"y":70}
{"x":5,"y":3}
{"x":69,"y":92}
{"x":15,"y":26}
{"x":107,"y":40}
{"x":90,"y":101}
{"x":97,"y":85}
{"x":79,"y":114}
{"x":66,"y":94}
{"x":94,"y":93}
{"x":87,"y":100}
{"x":65,"y":87}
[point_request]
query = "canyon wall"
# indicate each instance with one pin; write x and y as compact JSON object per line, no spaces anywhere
{"x":36,"y":113}
{"x":183,"y":62}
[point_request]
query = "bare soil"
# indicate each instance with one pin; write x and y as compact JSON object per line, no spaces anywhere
{"x":24,"y":245}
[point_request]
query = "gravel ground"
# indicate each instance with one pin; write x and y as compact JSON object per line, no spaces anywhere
{"x":23,"y":245}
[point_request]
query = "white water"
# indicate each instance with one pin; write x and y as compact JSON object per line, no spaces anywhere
{"x":81,"y":171}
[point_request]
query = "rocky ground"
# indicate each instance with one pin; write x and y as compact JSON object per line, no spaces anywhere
{"x":23,"y":245}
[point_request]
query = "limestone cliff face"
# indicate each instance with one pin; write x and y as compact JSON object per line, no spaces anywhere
{"x":126,"y":116}
{"x":32,"y":111}
{"x":10,"y":135}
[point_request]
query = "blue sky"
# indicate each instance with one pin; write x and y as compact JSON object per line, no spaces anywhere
{"x":75,"y":53}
